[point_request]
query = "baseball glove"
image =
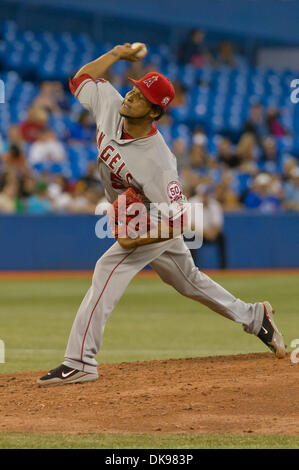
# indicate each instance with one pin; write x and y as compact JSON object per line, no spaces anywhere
{"x":128,"y":215}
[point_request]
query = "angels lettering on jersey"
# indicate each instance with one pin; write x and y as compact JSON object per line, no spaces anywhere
{"x":111,"y":157}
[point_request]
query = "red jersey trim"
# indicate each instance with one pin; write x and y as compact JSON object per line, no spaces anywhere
{"x":153,"y":131}
{"x":126,"y":136}
{"x":74,"y":83}
{"x":178,"y":214}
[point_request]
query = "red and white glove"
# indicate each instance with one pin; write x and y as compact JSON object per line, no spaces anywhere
{"x":128,"y":215}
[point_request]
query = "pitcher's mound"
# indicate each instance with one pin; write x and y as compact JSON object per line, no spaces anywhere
{"x":254,"y":393}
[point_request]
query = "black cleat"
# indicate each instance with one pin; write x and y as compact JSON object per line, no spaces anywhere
{"x":66,"y":375}
{"x":269,"y":333}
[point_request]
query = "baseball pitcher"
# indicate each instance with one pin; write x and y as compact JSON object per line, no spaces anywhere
{"x":134,"y":159}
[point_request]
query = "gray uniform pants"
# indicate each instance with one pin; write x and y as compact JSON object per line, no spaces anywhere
{"x":113,"y":272}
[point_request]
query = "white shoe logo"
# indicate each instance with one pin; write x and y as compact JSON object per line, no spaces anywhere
{"x":266,"y":331}
{"x":64,"y":375}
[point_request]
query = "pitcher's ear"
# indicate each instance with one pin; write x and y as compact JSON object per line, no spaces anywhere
{"x":157,"y":112}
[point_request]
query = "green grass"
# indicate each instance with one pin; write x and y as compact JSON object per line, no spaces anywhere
{"x":143,"y":441}
{"x":151,"y":321}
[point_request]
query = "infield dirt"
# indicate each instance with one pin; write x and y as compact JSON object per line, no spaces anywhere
{"x":253,"y":393}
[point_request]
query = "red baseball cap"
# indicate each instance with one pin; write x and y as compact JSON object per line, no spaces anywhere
{"x":156,"y":88}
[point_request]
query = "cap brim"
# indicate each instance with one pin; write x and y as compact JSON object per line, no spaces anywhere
{"x":144,"y":90}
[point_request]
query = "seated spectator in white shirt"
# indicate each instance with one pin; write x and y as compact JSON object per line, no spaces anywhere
{"x":84,"y":199}
{"x":212,"y":220}
{"x":46,"y":149}
{"x":103,"y":206}
{"x":59,"y":195}
{"x":265,"y":194}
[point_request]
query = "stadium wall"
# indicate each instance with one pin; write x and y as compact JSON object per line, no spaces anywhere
{"x":266,"y":20}
{"x":68,"y":242}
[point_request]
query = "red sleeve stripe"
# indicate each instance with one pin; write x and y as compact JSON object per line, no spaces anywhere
{"x":181,"y":218}
{"x":75,"y":83}
{"x":179,"y":213}
{"x":81,"y":87}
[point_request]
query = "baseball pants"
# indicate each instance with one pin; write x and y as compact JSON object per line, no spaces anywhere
{"x":174,"y":264}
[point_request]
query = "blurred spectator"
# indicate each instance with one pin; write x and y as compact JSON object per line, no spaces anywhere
{"x":269,"y":158}
{"x":289,"y":164}
{"x":151,"y":67}
{"x":226,"y":192}
{"x":46,"y":149}
{"x":46,"y":176}
{"x":92,"y":196}
{"x":164,"y":125}
{"x":193,"y":50}
{"x":92,"y":178}
{"x":199,"y":158}
{"x":5,"y":178}
{"x":256,"y":123}
{"x":58,"y":193}
{"x":136,"y":70}
{"x":57,"y":186}
{"x":15,"y":136}
{"x":8,"y":197}
{"x":199,"y":155}
{"x":180,"y":95}
{"x":84,"y":200}
{"x":261,"y":197}
{"x":35,"y":122}
{"x":274,"y":125}
{"x":3,"y":144}
{"x":39,"y":202}
{"x":51,"y":97}
{"x":77,"y":201}
{"x":291,"y":190}
{"x":84,"y":129}
{"x":276,"y":188}
{"x":247,"y":148}
{"x":27,"y":187}
{"x":226,"y":155}
{"x":190,"y":180}
{"x":226,"y":54}
{"x":248,"y":168}
{"x":212,"y":220}
{"x":103,"y":206}
{"x":199,"y":137}
{"x":15,"y":161}
{"x":117,"y":80}
{"x":180,"y":150}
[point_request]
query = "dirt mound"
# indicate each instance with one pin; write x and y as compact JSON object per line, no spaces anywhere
{"x":239,"y":394}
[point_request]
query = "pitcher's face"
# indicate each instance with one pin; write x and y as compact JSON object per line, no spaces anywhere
{"x":135,"y":105}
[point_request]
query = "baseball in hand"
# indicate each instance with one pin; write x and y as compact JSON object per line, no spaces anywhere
{"x":142,"y":53}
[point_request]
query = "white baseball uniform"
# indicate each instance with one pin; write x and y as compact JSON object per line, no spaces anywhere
{"x":149,"y":165}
